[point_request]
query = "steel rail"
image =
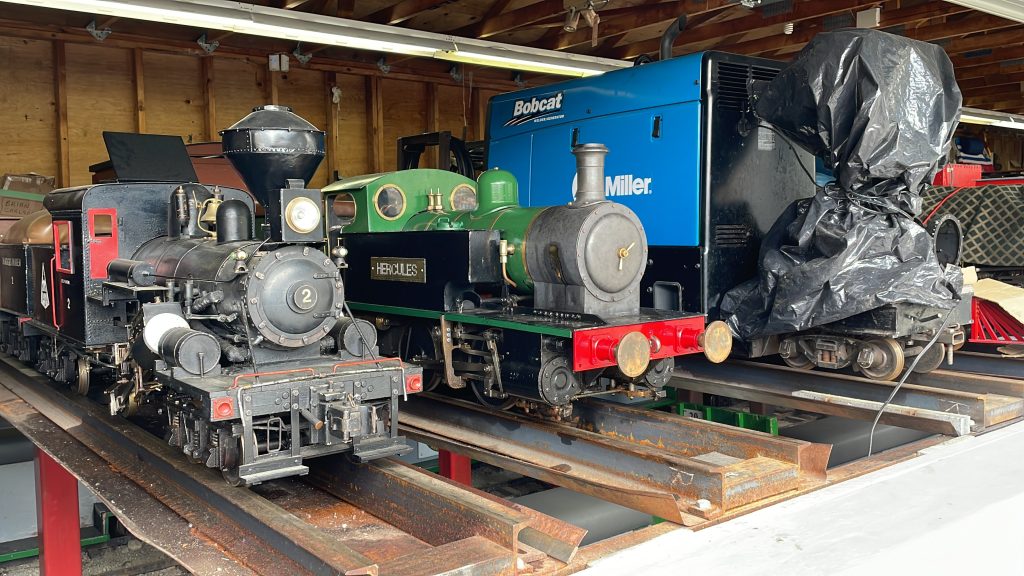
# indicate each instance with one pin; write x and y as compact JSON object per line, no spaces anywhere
{"x":942,"y":411}
{"x":987,"y":363}
{"x":676,"y":468}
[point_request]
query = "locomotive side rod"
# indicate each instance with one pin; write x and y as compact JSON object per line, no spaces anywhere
{"x":936,"y":410}
{"x":257,"y":534}
{"x":662,"y":467}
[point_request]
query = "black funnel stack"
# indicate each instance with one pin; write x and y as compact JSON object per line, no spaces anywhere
{"x":269,"y":147}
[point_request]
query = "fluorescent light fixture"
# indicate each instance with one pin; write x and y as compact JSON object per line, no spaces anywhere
{"x":256,"y":20}
{"x":1008,"y":9}
{"x":992,"y":118}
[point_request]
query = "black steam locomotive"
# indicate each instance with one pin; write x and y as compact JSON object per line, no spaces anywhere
{"x":166,"y":293}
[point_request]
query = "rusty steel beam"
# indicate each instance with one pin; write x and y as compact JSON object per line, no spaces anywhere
{"x":697,"y":471}
{"x":990,"y":364}
{"x":411,"y":498}
{"x":922,"y":408}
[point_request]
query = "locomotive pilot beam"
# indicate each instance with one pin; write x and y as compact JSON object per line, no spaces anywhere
{"x":527,"y":306}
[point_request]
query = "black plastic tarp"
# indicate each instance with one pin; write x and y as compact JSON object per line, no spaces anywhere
{"x":880,"y":111}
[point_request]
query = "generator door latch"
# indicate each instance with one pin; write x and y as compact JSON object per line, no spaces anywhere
{"x":656,"y":127}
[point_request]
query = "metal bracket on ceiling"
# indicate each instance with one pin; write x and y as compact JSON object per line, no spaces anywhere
{"x":455,"y":72}
{"x":302,"y":57}
{"x":98,"y":35}
{"x":383,"y":65}
{"x":207,"y":46}
{"x":518,"y":79}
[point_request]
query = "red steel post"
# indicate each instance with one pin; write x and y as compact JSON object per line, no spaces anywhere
{"x":60,"y":548}
{"x":455,"y":467}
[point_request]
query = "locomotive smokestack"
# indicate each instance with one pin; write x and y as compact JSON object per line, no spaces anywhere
{"x":269,"y":147}
{"x":589,"y":173}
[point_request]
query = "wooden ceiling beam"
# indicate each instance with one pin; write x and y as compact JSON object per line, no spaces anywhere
{"x":803,"y":10}
{"x":980,"y":73}
{"x":404,"y":10}
{"x":1009,"y":75}
{"x":691,"y":38}
{"x":546,"y":8}
{"x":996,"y":56}
{"x":1008,"y":36}
{"x":992,"y":100}
{"x":999,"y":89}
{"x":613,"y":25}
{"x":889,"y":20}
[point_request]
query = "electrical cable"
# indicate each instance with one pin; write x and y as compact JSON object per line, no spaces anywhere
{"x":906,"y":373}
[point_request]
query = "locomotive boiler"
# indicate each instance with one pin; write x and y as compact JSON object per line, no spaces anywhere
{"x":168,"y":293}
{"x":534,"y":306}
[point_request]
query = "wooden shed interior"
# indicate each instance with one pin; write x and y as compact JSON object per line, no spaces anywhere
{"x":64,"y":86}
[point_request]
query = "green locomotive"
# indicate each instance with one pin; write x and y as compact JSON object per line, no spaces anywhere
{"x":533,"y":306}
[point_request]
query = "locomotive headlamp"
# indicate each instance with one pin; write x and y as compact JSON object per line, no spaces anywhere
{"x":302,"y":215}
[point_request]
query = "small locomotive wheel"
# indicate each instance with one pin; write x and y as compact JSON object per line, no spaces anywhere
{"x":888,"y":361}
{"x":931,"y":359}
{"x":633,"y":354}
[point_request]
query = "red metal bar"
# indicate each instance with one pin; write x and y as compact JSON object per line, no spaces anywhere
{"x":992,"y":325}
{"x":455,"y":467}
{"x":60,"y":549}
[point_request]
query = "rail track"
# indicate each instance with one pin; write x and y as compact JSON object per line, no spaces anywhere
{"x":391,"y":518}
{"x":382,"y":518}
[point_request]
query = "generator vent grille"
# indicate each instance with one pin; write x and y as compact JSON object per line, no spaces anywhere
{"x":731,"y":86}
{"x":732,"y":234}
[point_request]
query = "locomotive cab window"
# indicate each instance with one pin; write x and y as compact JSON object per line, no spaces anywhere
{"x":344,"y":208}
{"x":62,"y":242}
{"x":102,"y":225}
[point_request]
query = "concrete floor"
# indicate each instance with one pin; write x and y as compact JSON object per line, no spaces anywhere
{"x":123,"y":557}
{"x":956,"y":509}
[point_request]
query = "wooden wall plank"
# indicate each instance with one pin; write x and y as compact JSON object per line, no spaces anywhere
{"x":331,"y":127}
{"x":452,"y":112}
{"x":404,"y":114}
{"x":239,"y":88}
{"x":175,"y":102}
{"x":353,"y":158}
{"x":209,"y":101}
{"x":139,"y":82}
{"x":374,"y":124}
{"x":60,"y":91}
{"x":100,"y":92}
{"x":28,"y":108}
{"x":302,"y":90}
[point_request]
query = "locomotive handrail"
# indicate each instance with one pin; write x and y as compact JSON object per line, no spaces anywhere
{"x":234,"y":383}
{"x":360,"y":362}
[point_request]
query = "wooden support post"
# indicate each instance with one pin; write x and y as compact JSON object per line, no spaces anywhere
{"x":60,"y":547}
{"x":60,"y":77}
{"x":375,"y":123}
{"x":270,"y":87}
{"x":477,"y":115}
{"x":209,"y":100}
{"x":333,"y":125}
{"x":433,"y":122}
{"x":455,"y":467}
{"x":139,"y":81}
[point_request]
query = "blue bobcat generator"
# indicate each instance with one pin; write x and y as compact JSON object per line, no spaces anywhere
{"x":708,"y":181}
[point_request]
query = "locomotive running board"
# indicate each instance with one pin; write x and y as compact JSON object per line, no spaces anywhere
{"x":683,"y":470}
{"x":939,"y":403}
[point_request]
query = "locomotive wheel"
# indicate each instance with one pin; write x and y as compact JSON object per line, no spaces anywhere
{"x":931,"y":359}
{"x":229,"y":457}
{"x":433,"y":381}
{"x":495,"y":403}
{"x":799,"y":361}
{"x":231,"y":477}
{"x":82,"y":382}
{"x":890,"y":360}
